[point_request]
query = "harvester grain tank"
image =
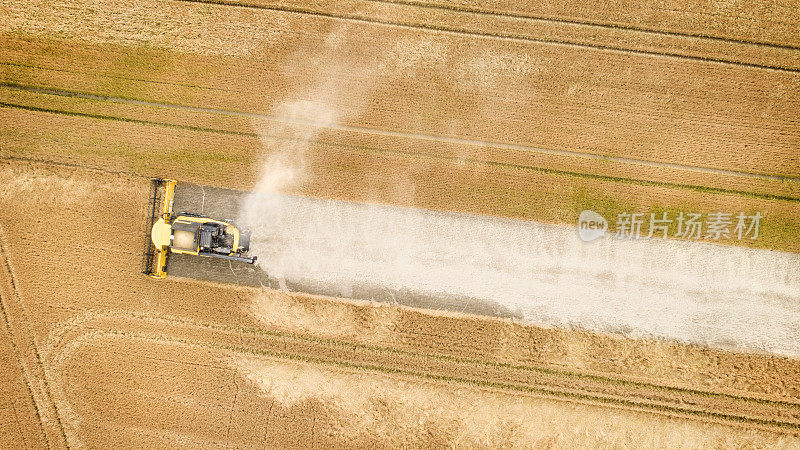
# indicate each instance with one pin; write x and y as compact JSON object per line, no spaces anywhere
{"x":188,"y":233}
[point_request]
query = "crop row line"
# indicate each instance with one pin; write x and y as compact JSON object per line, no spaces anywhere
{"x":106,"y":75}
{"x":608,"y":25}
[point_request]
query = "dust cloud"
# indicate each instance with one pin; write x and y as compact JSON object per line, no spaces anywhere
{"x":728,"y":297}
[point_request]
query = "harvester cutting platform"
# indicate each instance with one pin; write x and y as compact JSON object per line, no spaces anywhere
{"x":187,"y":233}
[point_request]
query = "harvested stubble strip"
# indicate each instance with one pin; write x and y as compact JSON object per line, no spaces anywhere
{"x":697,"y":114}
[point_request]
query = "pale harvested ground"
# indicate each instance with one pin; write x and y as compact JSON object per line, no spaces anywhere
{"x":131,"y":332}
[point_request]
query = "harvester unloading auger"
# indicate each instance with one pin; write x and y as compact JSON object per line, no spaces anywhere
{"x":187,"y":233}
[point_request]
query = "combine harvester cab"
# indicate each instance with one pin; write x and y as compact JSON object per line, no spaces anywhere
{"x":187,"y":233}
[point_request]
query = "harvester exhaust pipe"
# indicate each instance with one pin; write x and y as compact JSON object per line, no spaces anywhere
{"x":244,"y":241}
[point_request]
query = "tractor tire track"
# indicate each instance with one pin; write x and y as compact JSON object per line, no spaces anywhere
{"x":497,"y":35}
{"x":418,"y":136}
{"x":379,"y":132}
{"x":418,"y":155}
{"x":113,"y":77}
{"x":615,"y":26}
{"x":36,"y":377}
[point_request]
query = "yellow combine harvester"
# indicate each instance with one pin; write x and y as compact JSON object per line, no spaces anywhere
{"x":187,"y":233}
